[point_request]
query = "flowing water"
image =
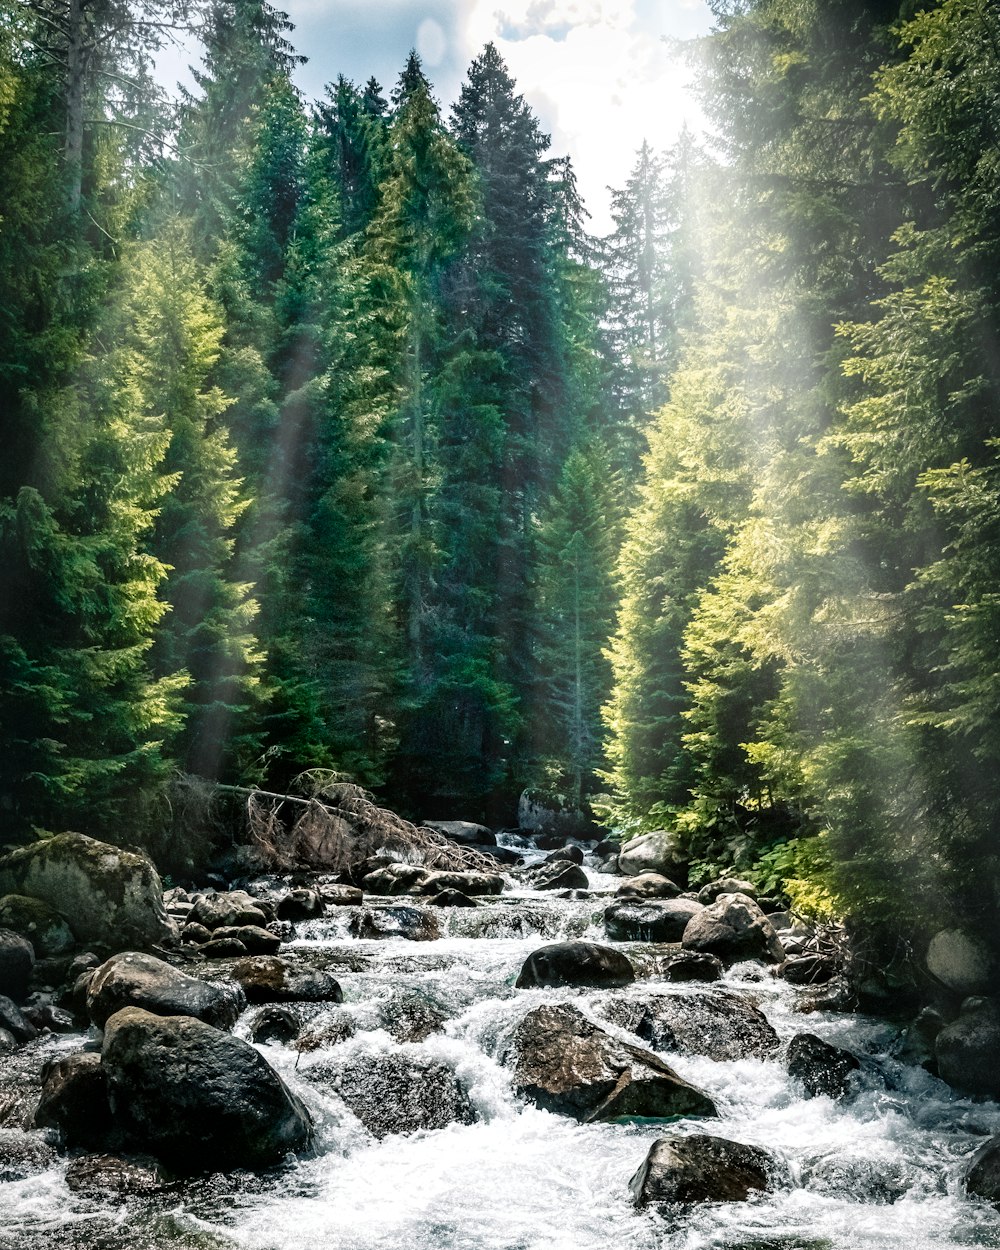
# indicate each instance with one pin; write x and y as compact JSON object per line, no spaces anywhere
{"x":879,"y":1171}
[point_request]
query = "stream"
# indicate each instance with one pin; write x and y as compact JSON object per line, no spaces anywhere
{"x":880,"y":1170}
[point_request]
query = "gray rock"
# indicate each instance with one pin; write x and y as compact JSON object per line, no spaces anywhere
{"x":301,"y":905}
{"x":872,"y":1180}
{"x":967,"y":1049}
{"x":416,"y":924}
{"x":74,"y":1101}
{"x":254,"y":939}
{"x":228,"y":911}
{"x":719,"y":1024}
{"x":411,"y":1017}
{"x":823,"y":1069}
{"x":196,"y":934}
{"x":700,"y":1168}
{"x":451,"y":898}
{"x":223,"y":948}
{"x":341,"y":895}
{"x":959,"y":960}
{"x":108,"y":895}
{"x":106,"y":1176}
{"x":656,"y":920}
{"x":17,"y":962}
{"x":133,"y":979}
{"x":568,"y":852}
{"x":734,"y":928}
{"x":726,"y":885}
{"x":982,"y":1175}
{"x":689,"y":966}
{"x":196,"y":1097}
{"x":15,"y":1022}
{"x":648,"y":885}
{"x":274,"y":1024}
{"x":566,"y":1064}
{"x":394,"y":879}
{"x":651,"y":852}
{"x":465,"y":832}
{"x":576,"y":963}
{"x":471,"y":883}
{"x":42,"y":925}
{"x":23,"y":1155}
{"x":557,"y":874}
{"x":269,"y":979}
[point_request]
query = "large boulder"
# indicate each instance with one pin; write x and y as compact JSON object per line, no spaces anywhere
{"x":470,"y":883}
{"x":557,"y":874}
{"x":652,"y":852}
{"x":198,"y":1098}
{"x":734,"y":928}
{"x":228,"y":911}
{"x":415,"y":924}
{"x":17,"y":962}
{"x":301,"y":905}
{"x":966,"y":1049}
{"x":42,"y":925}
{"x":718,"y":1024}
{"x":576,"y":963}
{"x":700,"y":1168}
{"x":74,"y":1101}
{"x":269,"y":979}
{"x":465,"y":832}
{"x":567,"y":1064}
{"x":824,"y":1070}
{"x":957,"y":959}
{"x":394,"y":878}
{"x":551,"y":816}
{"x":134,"y":979}
{"x":648,"y":885}
{"x":108,"y":895}
{"x":655,"y":920}
{"x":982,"y":1175}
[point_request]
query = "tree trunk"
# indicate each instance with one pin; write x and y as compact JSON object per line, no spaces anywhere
{"x":76,"y":68}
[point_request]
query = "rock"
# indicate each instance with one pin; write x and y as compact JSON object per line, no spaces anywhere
{"x":465,"y":832}
{"x":568,"y":852}
{"x":966,"y":1050}
{"x":416,"y":924}
{"x":228,"y":911}
{"x":700,"y":1168}
{"x":268,"y":979}
{"x":654,"y":921}
{"x":566,"y":1064}
{"x":196,"y":1097}
{"x":689,"y":966}
{"x":718,"y":1024}
{"x":920,"y":1038}
{"x":103,"y":1176}
{"x":560,"y":874}
{"x":835,"y":995}
{"x":45,"y":929}
{"x":393,"y":879}
{"x":734,"y":928}
{"x":274,"y":1024}
{"x":223,"y":948}
{"x":13,"y":1020}
{"x":48,"y":1016}
{"x":466,"y":882}
{"x":870,"y":1179}
{"x":502,"y":854}
{"x":982,"y":1175}
{"x":576,"y":963}
{"x":137,"y":980}
{"x":651,"y":852}
{"x":8,"y":1042}
{"x":411,"y":1017}
{"x":957,"y":959}
{"x":74,"y":1101}
{"x":23,"y":1155}
{"x":17,"y":962}
{"x":253,"y":939}
{"x":607,"y":848}
{"x":325,"y":1031}
{"x":726,"y":885}
{"x":823,"y":1069}
{"x":648,"y":885}
{"x":451,"y":898}
{"x":398,"y":1093}
{"x":107,"y":894}
{"x":341,"y":895}
{"x":551,"y":816}
{"x":301,"y":905}
{"x":196,"y":934}
{"x":808,"y":969}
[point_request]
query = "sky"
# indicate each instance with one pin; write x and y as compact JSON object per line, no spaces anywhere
{"x":597,"y":73}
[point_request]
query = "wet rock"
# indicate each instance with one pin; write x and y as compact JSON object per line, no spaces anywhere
{"x":49,"y":1016}
{"x":651,"y":852}
{"x":576,"y":963}
{"x":106,"y":894}
{"x":734,"y":928}
{"x":466,"y":882}
{"x":726,"y":885}
{"x":982,"y":1175}
{"x":268,"y":979}
{"x":341,"y":895}
{"x":808,"y":969}
{"x":465,"y":832}
{"x":653,"y":921}
{"x":823,"y":1069}
{"x":959,"y":960}
{"x":42,"y":925}
{"x":17,"y":962}
{"x":966,"y":1050}
{"x":8,"y":1042}
{"x":416,"y":924}
{"x":571,"y":853}
{"x":15,"y":1022}
{"x":23,"y":1155}
{"x":137,"y":980}
{"x":689,"y":966}
{"x":196,"y":934}
{"x":559,"y":874}
{"x":577,"y":896}
{"x":648,"y":885}
{"x":919,"y":1040}
{"x":700,"y":1168}
{"x":228,"y":911}
{"x":393,"y":879}
{"x":858,"y":1178}
{"x":836,"y":995}
{"x":301,"y":905}
{"x":502,"y":854}
{"x":565,"y":1063}
{"x":74,"y":1101}
{"x":410,"y":1017}
{"x":606,"y":848}
{"x":223,"y":948}
{"x":254,"y":939}
{"x":718,"y":1024}
{"x":451,"y":898}
{"x":400,"y":1093}
{"x":106,"y":1176}
{"x":274,"y":1024}
{"x":325,"y":1031}
{"x":196,"y":1097}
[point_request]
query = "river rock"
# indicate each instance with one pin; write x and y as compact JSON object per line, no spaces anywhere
{"x":335,"y":895}
{"x":576,"y":963}
{"x":15,"y":1021}
{"x":252,"y":938}
{"x":17,"y":962}
{"x":269,"y":979}
{"x":416,"y":924}
{"x":726,"y":885}
{"x":718,"y":1024}
{"x":957,"y":959}
{"x":196,"y":1097}
{"x":465,"y":832}
{"x":823,"y":1069}
{"x":196,"y":934}
{"x":107,"y":895}
{"x":656,"y":920}
{"x":301,"y":905}
{"x":274,"y":1024}
{"x":134,"y":979}
{"x":42,"y":925}
{"x":451,"y":898}
{"x":567,"y":1064}
{"x":809,"y":969}
{"x":557,"y":874}
{"x":74,"y":1101}
{"x":223,"y":948}
{"x":734,"y":928}
{"x":393,"y":879}
{"x":23,"y":1155}
{"x":651,"y":852}
{"x":648,"y":885}
{"x":326,"y":1030}
{"x":466,"y":882}
{"x":106,"y":1176}
{"x":701,"y":1168}
{"x":689,"y":966}
{"x":870,"y":1179}
{"x":967,"y":1049}
{"x":573,"y":853}
{"x":982,"y":1175}
{"x":228,"y":911}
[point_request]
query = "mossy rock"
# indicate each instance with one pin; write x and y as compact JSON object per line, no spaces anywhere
{"x":35,"y":920}
{"x":108,"y":895}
